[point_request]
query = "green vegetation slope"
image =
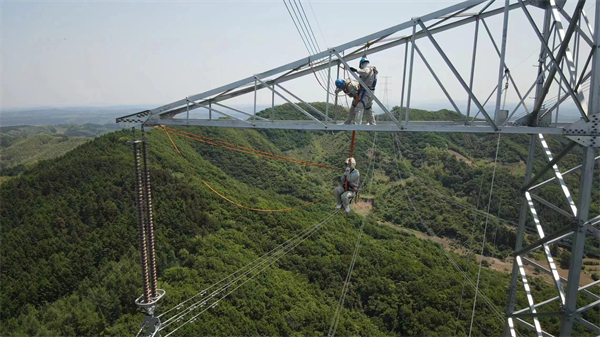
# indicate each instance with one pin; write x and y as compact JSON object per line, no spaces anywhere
{"x":69,"y":257}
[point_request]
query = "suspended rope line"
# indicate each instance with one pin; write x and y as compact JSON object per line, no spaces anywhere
{"x":499,"y":315}
{"x":469,"y":250}
{"x":243,"y":149}
{"x":484,"y":232}
{"x":346,"y":187}
{"x":346,"y":285}
{"x":238,"y":204}
{"x":262,"y":210}
{"x":263,"y":264}
{"x":203,"y":292}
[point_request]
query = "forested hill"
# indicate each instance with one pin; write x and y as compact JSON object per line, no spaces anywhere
{"x":69,"y":256}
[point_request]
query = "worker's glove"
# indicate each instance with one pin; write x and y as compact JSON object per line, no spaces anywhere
{"x":353,"y":69}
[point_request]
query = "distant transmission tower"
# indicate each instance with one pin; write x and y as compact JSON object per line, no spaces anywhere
{"x":385,"y":91}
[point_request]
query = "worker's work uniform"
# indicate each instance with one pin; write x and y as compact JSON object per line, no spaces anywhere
{"x":365,"y":102}
{"x":347,"y":191}
{"x":352,"y":89}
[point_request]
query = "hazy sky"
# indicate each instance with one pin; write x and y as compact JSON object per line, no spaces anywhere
{"x":122,"y":53}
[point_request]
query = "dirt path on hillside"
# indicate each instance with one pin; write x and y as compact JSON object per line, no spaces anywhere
{"x":363,"y":207}
{"x":460,"y":157}
{"x":497,"y":264}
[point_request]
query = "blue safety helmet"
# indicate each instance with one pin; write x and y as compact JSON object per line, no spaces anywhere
{"x":340,"y":83}
{"x":363,"y":60}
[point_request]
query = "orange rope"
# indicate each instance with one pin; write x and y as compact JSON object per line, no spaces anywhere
{"x":251,"y":149}
{"x":245,"y":149}
{"x":171,"y":139}
{"x":226,"y":147}
{"x":229,"y":200}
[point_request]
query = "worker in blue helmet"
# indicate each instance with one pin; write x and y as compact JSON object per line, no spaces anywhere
{"x":351,"y":88}
{"x":368,"y":74}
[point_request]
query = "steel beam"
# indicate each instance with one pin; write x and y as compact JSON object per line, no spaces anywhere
{"x":580,"y":32}
{"x":403,"y":78}
{"x":410,"y":74}
{"x":512,"y":81}
{"x":550,"y":205}
{"x":293,"y":104}
{"x":328,"y":86}
{"x":563,"y":174}
{"x":554,"y":70}
{"x":239,"y":111}
{"x":305,"y":103}
{"x":484,"y":103}
{"x":546,"y":248}
{"x":535,"y":315}
{"x":587,"y":307}
{"x":502,"y":65}
{"x":588,"y":325}
{"x":414,"y":126}
{"x":471,"y":77}
{"x":559,"y":177}
{"x":583,"y":289}
{"x":550,"y":165}
{"x":545,"y":240}
{"x":437,"y":79}
{"x":585,"y":193}
{"x":456,"y":74}
{"x":509,"y":327}
{"x":210,"y":109}
{"x":530,"y":326}
{"x":564,"y":98}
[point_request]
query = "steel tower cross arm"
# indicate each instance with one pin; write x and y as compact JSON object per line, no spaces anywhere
{"x":298,"y":72}
{"x":303,"y":61}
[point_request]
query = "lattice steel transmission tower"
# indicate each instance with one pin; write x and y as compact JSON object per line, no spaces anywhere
{"x":575,"y":44}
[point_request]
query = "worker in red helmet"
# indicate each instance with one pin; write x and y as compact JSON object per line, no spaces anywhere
{"x":350,"y":183}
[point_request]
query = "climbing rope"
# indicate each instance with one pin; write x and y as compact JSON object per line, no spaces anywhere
{"x":212,"y":189}
{"x":346,"y":285}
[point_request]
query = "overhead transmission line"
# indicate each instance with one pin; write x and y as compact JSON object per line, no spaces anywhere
{"x":499,"y":315}
{"x":302,"y":24}
{"x":484,"y":232}
{"x":317,"y":20}
{"x":462,"y":293}
{"x":336,"y":317}
{"x":238,"y":279}
{"x":305,"y":33}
